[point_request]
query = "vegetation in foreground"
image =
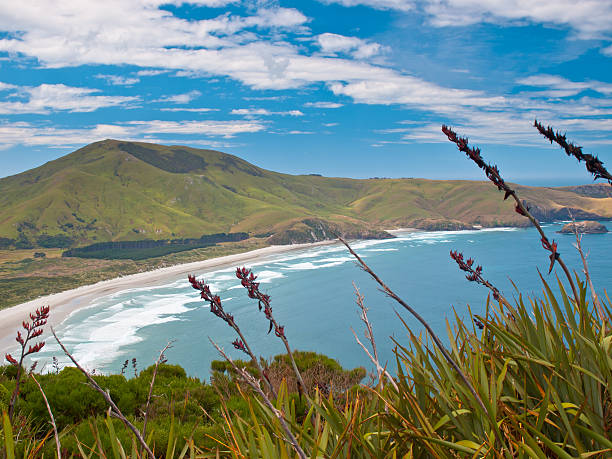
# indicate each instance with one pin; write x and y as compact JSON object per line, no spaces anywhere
{"x":181,"y":407}
{"x":530,"y":378}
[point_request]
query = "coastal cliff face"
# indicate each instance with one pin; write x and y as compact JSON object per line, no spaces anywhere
{"x":585,"y":227}
{"x":315,"y":230}
{"x":128,"y":191}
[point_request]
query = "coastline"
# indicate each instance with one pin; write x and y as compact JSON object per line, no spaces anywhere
{"x":65,"y":303}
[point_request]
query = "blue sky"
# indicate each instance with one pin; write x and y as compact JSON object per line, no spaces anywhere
{"x":355,"y":88}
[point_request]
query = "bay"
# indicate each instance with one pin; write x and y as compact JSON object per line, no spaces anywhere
{"x":313,"y":297}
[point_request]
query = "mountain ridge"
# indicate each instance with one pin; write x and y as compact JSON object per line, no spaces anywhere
{"x":115,"y":190}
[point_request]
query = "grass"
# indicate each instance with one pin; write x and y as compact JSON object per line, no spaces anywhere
{"x":103,"y":192}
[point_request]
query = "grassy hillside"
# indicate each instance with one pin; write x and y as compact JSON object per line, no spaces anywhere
{"x":114,"y":190}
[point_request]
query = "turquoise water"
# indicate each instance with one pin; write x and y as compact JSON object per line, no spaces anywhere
{"x":312,"y":295}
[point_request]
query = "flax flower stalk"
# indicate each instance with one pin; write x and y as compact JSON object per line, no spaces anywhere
{"x":33,"y":329}
{"x":216,"y":308}
{"x":433,"y":335}
{"x":593,"y":164}
{"x":492,"y":173}
{"x":247,"y":279}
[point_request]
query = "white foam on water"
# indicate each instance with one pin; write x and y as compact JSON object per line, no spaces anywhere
{"x":265,"y":277}
{"x":306,"y":253}
{"x":501,"y":228}
{"x":306,"y":265}
{"x":98,"y":339}
{"x":383,"y":250}
{"x":335,"y":259}
{"x":316,"y":264}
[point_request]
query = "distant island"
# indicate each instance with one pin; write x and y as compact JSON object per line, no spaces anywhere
{"x":585,"y":227}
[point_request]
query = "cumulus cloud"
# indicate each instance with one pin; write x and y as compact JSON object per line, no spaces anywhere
{"x":47,"y":98}
{"x":253,"y":49}
{"x":361,"y":49}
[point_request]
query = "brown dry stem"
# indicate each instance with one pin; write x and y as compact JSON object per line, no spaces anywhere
{"x":55,"y":433}
{"x":146,"y":411}
{"x":369,"y":334}
{"x":433,"y":335}
{"x":115,"y":411}
{"x":254,"y":384}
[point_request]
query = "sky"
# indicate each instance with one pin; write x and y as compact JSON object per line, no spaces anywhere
{"x":350,"y":88}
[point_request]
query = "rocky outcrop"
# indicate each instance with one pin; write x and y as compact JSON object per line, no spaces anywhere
{"x":316,"y":230}
{"x":585,"y":227}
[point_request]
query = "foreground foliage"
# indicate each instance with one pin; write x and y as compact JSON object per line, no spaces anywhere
{"x":531,"y":378}
{"x":543,"y":369}
{"x":181,"y":408}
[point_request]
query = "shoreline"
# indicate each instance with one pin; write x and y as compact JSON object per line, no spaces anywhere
{"x":65,"y":303}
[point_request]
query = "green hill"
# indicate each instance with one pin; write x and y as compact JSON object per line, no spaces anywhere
{"x":117,"y":191}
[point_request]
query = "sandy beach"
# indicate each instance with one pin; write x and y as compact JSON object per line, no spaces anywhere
{"x":64,"y":303}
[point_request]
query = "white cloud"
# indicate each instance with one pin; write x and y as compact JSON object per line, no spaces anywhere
{"x":264,"y":112}
{"x":118,"y":80}
{"x":400,"y":5}
{"x":356,"y":47}
{"x":48,"y":98}
{"x":89,"y":32}
{"x":180,"y":98}
{"x":589,"y":18}
{"x":209,"y":3}
{"x":323,"y":105}
{"x":193,"y":110}
{"x":23,"y":133}
{"x":142,"y":73}
{"x":562,"y":87}
{"x":216,"y":128}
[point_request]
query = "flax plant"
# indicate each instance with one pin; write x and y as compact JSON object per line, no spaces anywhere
{"x":531,"y":378}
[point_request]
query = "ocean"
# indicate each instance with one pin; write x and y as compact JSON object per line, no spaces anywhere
{"x":313,"y":297}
